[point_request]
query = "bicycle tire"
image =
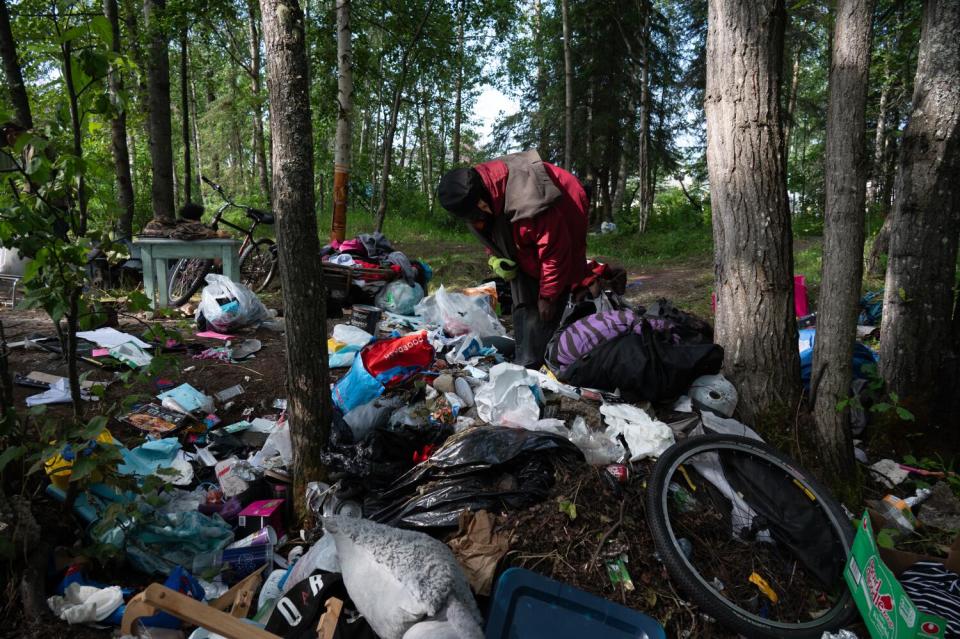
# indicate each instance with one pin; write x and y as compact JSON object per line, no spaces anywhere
{"x":185,"y":279}
{"x":699,"y":587}
{"x":258,"y":264}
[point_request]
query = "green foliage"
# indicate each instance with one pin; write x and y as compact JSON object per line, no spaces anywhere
{"x":886,"y":404}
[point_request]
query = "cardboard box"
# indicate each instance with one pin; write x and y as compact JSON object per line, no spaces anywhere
{"x":871,"y":575}
{"x":259,"y":514}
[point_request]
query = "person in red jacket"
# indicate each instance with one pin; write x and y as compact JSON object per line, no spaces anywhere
{"x":532,"y":216}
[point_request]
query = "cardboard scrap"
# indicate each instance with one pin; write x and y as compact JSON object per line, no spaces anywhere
{"x":478,"y":547}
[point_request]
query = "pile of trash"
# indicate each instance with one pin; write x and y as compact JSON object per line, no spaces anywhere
{"x":446,"y":465}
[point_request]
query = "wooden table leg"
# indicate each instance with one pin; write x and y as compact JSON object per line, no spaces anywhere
{"x":146,"y":260}
{"x":160,"y":266}
{"x":231,"y":264}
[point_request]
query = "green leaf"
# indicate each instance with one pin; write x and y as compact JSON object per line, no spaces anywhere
{"x":880,"y":407}
{"x":910,"y":460}
{"x":94,"y":427}
{"x":904,"y":414}
{"x":137,"y":301}
{"x":101,"y":26}
{"x":83,"y":467}
{"x":886,"y":538}
{"x":569,"y":508}
{"x":71,"y":34}
{"x":894,"y":397}
{"x":10,"y":454}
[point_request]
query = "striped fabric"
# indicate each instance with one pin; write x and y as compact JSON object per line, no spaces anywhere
{"x":588,"y":333}
{"x":935,"y":590}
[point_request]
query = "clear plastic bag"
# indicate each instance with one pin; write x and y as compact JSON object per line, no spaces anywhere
{"x":228,"y":305}
{"x":399,"y":297}
{"x":459,"y":314}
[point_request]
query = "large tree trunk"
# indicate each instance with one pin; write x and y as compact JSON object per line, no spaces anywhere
{"x":843,"y":234}
{"x":158,"y":88}
{"x":751,"y":219}
{"x":11,"y":70}
{"x":568,"y":90}
{"x":118,"y":132}
{"x":259,"y":148}
{"x":185,"y":118}
{"x":458,"y":100}
{"x":391,"y":128}
{"x":915,"y":335}
{"x":304,"y":294}
{"x":341,"y":158}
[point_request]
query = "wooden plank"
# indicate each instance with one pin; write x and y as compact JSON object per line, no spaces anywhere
{"x":190,"y":610}
{"x":227,"y":599}
{"x":328,"y":620}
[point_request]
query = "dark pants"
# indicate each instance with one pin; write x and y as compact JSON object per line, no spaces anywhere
{"x":530,"y":333}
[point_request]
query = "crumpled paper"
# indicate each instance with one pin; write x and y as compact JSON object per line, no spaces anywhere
{"x":889,"y":472}
{"x":478,"y":547}
{"x":645,"y":436}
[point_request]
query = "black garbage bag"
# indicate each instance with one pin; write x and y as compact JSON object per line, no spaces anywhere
{"x":487,"y":468}
{"x":787,"y":514}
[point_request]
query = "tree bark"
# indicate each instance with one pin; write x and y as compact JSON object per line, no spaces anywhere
{"x":259,"y":148}
{"x":391,"y":128}
{"x":341,"y":159}
{"x":623,"y":169}
{"x":751,"y":219}
{"x":458,"y":100}
{"x":881,"y":245}
{"x":590,"y":177}
{"x":791,"y":101}
{"x":918,"y":296}
{"x":304,"y":293}
{"x":568,"y":90}
{"x":845,"y":185}
{"x":185,"y":119}
{"x":880,"y":137}
{"x":158,"y":88}
{"x":118,"y":131}
{"x":541,"y":82}
{"x":11,"y":69}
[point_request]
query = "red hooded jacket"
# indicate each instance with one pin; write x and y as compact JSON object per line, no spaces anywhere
{"x":551,"y":246}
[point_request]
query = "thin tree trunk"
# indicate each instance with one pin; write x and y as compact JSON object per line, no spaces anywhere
{"x":78,"y":224}
{"x":881,"y":246}
{"x":403,"y":139}
{"x":196,"y":136}
{"x":643,"y":144}
{"x":391,"y":127}
{"x":623,"y":169}
{"x":590,"y":181}
{"x":342,"y":150}
{"x":304,"y":294}
{"x":118,"y":131}
{"x":11,"y":70}
{"x":428,"y":149}
{"x":879,"y":138}
{"x":751,"y":221}
{"x":259,"y":148}
{"x":541,"y":81}
{"x":458,"y":100}
{"x":843,"y":235}
{"x":791,"y":101}
{"x":211,"y":100}
{"x":185,"y":120}
{"x":158,"y":87}
{"x":568,"y":90}
{"x":918,"y":295}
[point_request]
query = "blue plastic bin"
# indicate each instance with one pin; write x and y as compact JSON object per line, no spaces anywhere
{"x":530,"y":606}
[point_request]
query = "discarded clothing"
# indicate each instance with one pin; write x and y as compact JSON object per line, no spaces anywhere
{"x":935,"y":590}
{"x":864,"y":359}
{"x":297,"y":612}
{"x":86,"y":604}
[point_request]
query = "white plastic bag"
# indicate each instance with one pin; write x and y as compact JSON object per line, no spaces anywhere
{"x":459,"y":314}
{"x":645,"y":436}
{"x":507,"y":399}
{"x":399,"y":297}
{"x":228,"y":305}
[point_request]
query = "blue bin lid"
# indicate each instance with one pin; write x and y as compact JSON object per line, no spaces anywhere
{"x":530,"y":606}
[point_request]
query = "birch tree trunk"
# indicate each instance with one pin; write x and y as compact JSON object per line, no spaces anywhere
{"x":12,"y":71}
{"x":541,"y":80}
{"x":751,"y":220}
{"x":845,"y":175}
{"x":304,"y":294}
{"x":915,"y":335}
{"x":158,"y":90}
{"x":458,"y":100}
{"x":643,"y":144}
{"x":568,"y":90}
{"x":341,"y":158}
{"x":118,"y":131}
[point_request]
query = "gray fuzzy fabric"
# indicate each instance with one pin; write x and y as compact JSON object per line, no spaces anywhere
{"x":400,"y":577}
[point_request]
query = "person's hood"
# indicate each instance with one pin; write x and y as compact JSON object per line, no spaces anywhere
{"x":519,"y":185}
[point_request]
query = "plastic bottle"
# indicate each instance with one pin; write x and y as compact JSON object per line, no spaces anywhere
{"x":682,"y":498}
{"x":898,"y":511}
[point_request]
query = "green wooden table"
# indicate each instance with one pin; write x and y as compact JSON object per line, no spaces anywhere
{"x":155,"y":251}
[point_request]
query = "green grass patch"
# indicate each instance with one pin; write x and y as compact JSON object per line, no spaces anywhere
{"x":655,"y":247}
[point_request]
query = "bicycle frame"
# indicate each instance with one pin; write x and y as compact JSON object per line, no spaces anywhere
{"x":248,"y":233}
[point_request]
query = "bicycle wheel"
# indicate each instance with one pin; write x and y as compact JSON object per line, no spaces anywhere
{"x":258,"y":264}
{"x":753,"y":540}
{"x":186,"y":278}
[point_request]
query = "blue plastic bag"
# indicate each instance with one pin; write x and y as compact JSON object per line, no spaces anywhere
{"x":356,"y":388}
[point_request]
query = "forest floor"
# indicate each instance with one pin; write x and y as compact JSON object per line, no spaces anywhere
{"x":687,"y":280}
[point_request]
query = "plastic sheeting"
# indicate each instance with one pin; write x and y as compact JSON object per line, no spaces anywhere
{"x":508,"y":399}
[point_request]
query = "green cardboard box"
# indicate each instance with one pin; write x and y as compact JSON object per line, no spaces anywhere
{"x":886,"y":609}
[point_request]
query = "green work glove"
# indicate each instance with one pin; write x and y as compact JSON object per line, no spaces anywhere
{"x":502,"y":267}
